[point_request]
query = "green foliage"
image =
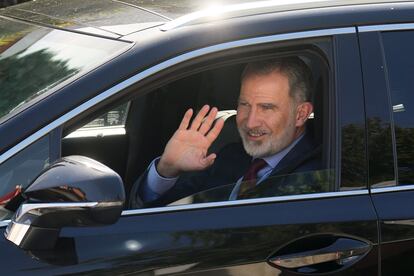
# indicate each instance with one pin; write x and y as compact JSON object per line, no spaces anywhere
{"x":24,"y":77}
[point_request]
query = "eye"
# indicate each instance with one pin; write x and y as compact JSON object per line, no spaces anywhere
{"x":267,"y":106}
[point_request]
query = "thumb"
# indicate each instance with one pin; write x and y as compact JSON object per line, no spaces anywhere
{"x":209,"y":160}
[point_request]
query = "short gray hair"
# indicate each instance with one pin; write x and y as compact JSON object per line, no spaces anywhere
{"x":298,"y":73}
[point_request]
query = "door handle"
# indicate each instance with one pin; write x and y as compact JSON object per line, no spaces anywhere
{"x":309,"y":254}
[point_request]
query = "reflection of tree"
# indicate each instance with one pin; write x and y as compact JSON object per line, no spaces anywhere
{"x":23,"y":77}
{"x":380,"y":151}
{"x":353,"y":168}
{"x":319,"y":181}
{"x":405,"y":152}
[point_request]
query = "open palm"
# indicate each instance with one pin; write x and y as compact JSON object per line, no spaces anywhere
{"x":187,"y":149}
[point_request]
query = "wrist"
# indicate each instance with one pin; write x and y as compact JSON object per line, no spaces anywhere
{"x":165,"y":170}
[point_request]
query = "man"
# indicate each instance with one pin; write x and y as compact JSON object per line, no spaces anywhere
{"x":273,"y":107}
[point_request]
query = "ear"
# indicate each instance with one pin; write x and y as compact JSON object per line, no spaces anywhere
{"x":302,"y":113}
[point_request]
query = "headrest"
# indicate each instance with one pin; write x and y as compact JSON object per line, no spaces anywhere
{"x":229,"y":133}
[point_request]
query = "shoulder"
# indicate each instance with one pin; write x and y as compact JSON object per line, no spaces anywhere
{"x":306,"y":155}
{"x":232,"y":161}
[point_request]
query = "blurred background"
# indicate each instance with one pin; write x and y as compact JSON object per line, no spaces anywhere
{"x":5,"y":3}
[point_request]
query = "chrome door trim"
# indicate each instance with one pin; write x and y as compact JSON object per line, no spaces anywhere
{"x":386,"y":27}
{"x":392,"y":189}
{"x":161,"y":66}
{"x":233,"y":203}
{"x":243,"y":202}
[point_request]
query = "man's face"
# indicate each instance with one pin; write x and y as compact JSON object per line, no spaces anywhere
{"x":266,"y":114}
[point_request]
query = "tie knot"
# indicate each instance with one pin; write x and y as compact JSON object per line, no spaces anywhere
{"x":254,"y":168}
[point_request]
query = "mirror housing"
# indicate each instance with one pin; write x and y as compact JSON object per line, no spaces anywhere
{"x":74,"y":191}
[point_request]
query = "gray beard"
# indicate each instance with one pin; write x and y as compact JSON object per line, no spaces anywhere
{"x":268,"y":147}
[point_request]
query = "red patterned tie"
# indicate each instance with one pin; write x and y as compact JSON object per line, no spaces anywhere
{"x":250,"y":178}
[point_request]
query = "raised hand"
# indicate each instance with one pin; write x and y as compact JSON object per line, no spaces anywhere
{"x":187,"y":148}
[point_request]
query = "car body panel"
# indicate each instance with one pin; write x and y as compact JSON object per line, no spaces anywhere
{"x":218,"y":237}
{"x":241,"y":236}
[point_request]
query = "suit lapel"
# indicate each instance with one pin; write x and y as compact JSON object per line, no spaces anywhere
{"x":303,"y":150}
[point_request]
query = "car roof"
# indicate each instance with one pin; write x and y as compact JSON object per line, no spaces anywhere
{"x":214,"y":12}
{"x":118,"y":18}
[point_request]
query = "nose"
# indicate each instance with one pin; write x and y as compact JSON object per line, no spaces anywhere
{"x":253,"y":119}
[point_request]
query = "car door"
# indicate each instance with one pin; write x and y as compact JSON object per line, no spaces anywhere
{"x":310,"y":233}
{"x":388,"y":66}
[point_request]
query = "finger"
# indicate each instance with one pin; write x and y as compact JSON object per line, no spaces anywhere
{"x":195,"y":125}
{"x":186,"y":119}
{"x":215,"y":131}
{"x":207,"y":123}
{"x":209,"y":160}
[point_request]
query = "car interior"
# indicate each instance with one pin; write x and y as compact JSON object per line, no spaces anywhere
{"x":154,"y":113}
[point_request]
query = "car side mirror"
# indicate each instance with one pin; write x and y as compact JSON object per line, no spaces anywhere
{"x":74,"y":191}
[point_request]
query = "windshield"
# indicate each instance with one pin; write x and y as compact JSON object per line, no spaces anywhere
{"x":34,"y":59}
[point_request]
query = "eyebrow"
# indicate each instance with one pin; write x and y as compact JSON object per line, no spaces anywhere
{"x":241,"y":100}
{"x":268,"y":105}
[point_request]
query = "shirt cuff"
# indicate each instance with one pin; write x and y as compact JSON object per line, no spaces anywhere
{"x":157,"y":183}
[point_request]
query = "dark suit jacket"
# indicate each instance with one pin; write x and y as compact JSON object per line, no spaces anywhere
{"x":231,"y":164}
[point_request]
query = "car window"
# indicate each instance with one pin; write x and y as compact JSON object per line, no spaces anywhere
{"x":304,"y":172}
{"x":19,"y":171}
{"x":317,"y":181}
{"x":35,"y":59}
{"x":110,"y":123}
{"x":154,"y":116}
{"x":399,"y":56}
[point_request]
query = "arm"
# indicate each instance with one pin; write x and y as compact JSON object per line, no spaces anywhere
{"x":185,"y":152}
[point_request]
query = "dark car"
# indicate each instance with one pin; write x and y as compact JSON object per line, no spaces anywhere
{"x":91,"y":91}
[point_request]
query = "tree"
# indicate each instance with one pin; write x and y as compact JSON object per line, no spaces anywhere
{"x":24,"y":77}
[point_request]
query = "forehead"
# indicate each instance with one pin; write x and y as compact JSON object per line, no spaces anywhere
{"x":271,"y":86}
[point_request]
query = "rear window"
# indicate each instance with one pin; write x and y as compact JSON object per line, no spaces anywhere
{"x":35,"y":59}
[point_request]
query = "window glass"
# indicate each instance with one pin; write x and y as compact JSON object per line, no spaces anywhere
{"x":110,"y":123}
{"x":115,"y":117}
{"x":399,"y":55}
{"x":299,"y":167}
{"x":34,"y":59}
{"x":20,"y":170}
{"x":318,"y":181}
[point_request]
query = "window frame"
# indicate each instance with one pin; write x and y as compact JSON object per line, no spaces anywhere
{"x":371,"y":36}
{"x":391,"y":106}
